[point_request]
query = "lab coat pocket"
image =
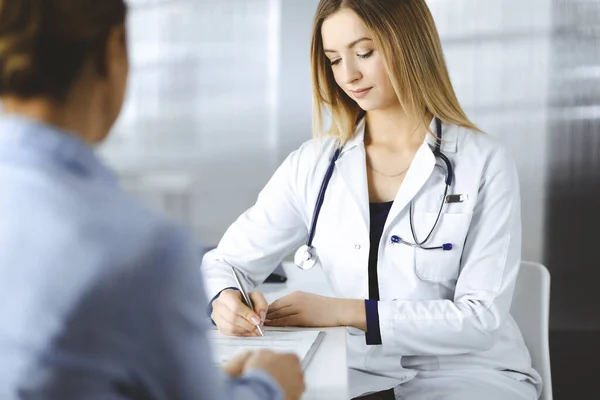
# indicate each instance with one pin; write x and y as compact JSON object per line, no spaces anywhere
{"x":441,"y":265}
{"x":341,"y":260}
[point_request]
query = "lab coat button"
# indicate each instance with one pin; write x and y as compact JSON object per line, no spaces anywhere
{"x":357,"y":247}
{"x":395,"y":239}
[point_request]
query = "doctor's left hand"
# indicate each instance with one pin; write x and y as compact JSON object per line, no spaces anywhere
{"x":307,"y":309}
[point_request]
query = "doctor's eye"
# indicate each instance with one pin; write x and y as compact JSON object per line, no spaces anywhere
{"x":366,"y":55}
{"x":334,"y":62}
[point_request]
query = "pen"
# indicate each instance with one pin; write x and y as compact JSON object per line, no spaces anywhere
{"x":246,"y":298}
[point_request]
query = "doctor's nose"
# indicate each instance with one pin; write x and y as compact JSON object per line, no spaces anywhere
{"x":350,"y":73}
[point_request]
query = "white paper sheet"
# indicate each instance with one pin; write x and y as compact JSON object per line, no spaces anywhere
{"x":298,"y":342}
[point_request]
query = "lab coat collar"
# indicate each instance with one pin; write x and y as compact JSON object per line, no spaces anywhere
{"x":449,"y":137}
{"x":352,"y":168}
{"x":358,"y":138}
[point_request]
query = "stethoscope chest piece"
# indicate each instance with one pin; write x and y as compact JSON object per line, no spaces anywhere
{"x":304,"y":257}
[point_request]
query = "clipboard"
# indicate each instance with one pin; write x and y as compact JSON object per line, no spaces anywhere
{"x":303,"y":343}
{"x":313,"y":349}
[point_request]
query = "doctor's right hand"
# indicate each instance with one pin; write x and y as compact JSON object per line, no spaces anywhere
{"x":233,"y":317}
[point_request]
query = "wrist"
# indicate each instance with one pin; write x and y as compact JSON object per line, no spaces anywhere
{"x":210,"y":303}
{"x":352,"y":313}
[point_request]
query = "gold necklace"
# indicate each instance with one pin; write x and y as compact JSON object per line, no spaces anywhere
{"x":387,"y":175}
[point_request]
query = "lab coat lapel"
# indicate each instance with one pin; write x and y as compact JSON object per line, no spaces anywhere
{"x":419,"y":172}
{"x":352,"y":168}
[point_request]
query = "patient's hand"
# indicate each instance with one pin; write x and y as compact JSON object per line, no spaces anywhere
{"x":235,"y":366}
{"x":284,"y":368}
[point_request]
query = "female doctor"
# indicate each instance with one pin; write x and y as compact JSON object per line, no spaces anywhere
{"x":411,"y":212}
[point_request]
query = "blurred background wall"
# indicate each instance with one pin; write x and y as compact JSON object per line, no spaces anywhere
{"x":198,"y":137}
{"x":220,"y":94}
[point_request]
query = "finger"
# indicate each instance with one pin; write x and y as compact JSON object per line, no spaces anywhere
{"x":279,"y":304}
{"x":251,"y":334}
{"x":260,"y":304}
{"x":295,"y":358}
{"x":290,"y":320}
{"x":234,"y":304}
{"x":230,"y":329}
{"x":227,"y":327}
{"x":282,"y":312}
{"x":235,"y":366}
{"x":243,"y":324}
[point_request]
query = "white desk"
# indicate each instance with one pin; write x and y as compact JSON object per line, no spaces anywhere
{"x":326,"y":377}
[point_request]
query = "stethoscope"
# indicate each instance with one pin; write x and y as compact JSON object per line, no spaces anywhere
{"x":306,"y":257}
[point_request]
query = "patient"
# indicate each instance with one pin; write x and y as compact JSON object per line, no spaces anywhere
{"x":99,"y":297}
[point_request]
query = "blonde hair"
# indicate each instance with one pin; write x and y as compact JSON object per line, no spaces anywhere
{"x":405,"y":33}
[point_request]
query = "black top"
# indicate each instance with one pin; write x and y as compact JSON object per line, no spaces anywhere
{"x":379,"y":214}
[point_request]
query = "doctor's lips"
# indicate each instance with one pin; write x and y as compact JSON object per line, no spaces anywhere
{"x":360,"y":93}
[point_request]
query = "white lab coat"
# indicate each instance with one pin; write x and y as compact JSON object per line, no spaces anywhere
{"x":438,"y":310}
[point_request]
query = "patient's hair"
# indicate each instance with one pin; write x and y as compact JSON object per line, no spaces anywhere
{"x":44,"y":44}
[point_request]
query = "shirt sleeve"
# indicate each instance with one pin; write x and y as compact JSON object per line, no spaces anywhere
{"x":180,"y":357}
{"x":140,"y":331}
{"x":260,"y":239}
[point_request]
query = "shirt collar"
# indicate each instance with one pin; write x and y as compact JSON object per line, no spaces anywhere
{"x":59,"y":147}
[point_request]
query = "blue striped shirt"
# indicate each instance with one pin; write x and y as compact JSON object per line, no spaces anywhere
{"x":100,"y":298}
